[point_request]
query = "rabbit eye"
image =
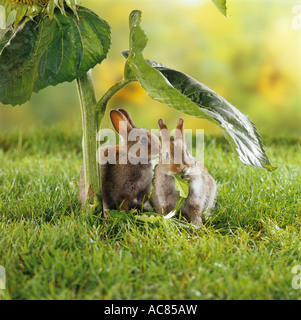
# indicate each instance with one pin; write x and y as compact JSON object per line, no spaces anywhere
{"x":143,"y":140}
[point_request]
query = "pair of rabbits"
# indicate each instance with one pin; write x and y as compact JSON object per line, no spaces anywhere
{"x":127,"y":184}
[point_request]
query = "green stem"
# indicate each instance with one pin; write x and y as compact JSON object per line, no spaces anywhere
{"x":92,"y":114}
{"x":90,"y":124}
{"x":102,"y":103}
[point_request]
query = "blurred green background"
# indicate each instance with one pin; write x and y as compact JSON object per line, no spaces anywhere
{"x":252,"y":58}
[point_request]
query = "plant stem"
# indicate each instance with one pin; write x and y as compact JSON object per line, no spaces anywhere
{"x":102,"y":103}
{"x":90,"y":124}
{"x":92,"y":114}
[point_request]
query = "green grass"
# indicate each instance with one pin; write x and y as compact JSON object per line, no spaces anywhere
{"x":51,"y":250}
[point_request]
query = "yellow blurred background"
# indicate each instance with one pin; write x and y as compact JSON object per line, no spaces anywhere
{"x":252,"y":58}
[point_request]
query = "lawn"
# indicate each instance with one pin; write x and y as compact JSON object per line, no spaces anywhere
{"x":51,"y":250}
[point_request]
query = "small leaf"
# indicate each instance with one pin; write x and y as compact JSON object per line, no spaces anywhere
{"x":146,"y":218}
{"x":31,"y":13}
{"x":2,"y":17}
{"x":221,"y":6}
{"x":8,"y":8}
{"x":50,"y":9}
{"x":72,"y":5}
{"x":60,"y":5}
{"x":21,"y":12}
{"x":181,"y":185}
{"x":170,"y":215}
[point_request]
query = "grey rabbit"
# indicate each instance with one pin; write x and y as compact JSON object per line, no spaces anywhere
{"x":202,"y":187}
{"x":126,"y":185}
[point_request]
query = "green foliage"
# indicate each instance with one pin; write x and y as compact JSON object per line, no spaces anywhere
{"x":238,"y":129}
{"x":38,"y":55}
{"x":28,"y":9}
{"x":50,"y":250}
{"x":48,"y":57}
{"x":181,"y":185}
{"x":63,"y":46}
{"x":186,"y":94}
{"x":151,"y":80}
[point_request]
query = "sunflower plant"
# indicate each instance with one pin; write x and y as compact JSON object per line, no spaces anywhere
{"x":53,"y":41}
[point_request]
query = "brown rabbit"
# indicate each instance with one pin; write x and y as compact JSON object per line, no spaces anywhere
{"x":202,"y":187}
{"x":126,"y":169}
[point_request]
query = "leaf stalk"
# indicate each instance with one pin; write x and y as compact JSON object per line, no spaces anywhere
{"x":101,"y":105}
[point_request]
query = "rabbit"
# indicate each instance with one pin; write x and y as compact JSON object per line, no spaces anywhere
{"x":126,"y":182}
{"x":202,"y":187}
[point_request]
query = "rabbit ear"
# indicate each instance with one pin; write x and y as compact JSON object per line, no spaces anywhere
{"x":179,"y":133}
{"x":163,"y":130}
{"x":116,"y":118}
{"x":128,"y":116}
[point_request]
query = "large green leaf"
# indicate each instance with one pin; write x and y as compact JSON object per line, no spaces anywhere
{"x":237,"y":127}
{"x":45,"y":52}
{"x":186,"y":94}
{"x":153,"y":82}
